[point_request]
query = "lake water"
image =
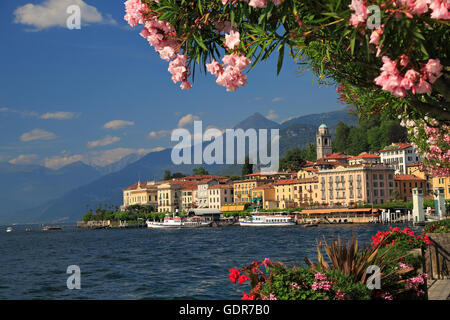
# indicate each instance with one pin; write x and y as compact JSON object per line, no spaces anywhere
{"x":150,"y":263}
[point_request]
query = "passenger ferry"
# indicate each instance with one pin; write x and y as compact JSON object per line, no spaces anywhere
{"x":266,"y":220}
{"x":178,"y":222}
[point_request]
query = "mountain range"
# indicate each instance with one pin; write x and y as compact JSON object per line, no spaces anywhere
{"x":63,"y":195}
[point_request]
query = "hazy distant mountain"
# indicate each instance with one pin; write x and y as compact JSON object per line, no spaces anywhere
{"x":257,"y":121}
{"x":120,"y":164}
{"x":108,"y":188}
{"x":26,"y":186}
{"x":331,"y":119}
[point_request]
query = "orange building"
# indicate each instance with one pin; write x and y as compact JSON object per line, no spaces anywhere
{"x":404,"y":183}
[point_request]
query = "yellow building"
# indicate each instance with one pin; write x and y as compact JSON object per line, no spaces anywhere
{"x":170,"y":197}
{"x":442,"y":182}
{"x":291,"y":193}
{"x":264,"y":196}
{"x":307,"y":172}
{"x":416,"y":169}
{"x":142,"y":193}
{"x":243,"y":189}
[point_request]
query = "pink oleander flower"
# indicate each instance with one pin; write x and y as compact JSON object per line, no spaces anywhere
{"x":266,"y":262}
{"x":258,"y":3}
{"x":420,"y":6}
{"x":433,"y":69}
{"x":185,"y":85}
{"x":422,"y":87}
{"x":213,"y":67}
{"x":375,"y":37}
{"x":135,"y":12}
{"x":272,"y":297}
{"x":440,"y":9}
{"x":404,"y":60}
{"x":232,"y":39}
{"x":361,"y":12}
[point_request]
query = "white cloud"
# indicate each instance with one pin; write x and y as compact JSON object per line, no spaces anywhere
{"x":187,"y":120}
{"x":57,"y":162}
{"x":117,"y":124}
{"x":103,"y":142}
{"x":272,"y":115}
{"x":37,"y":134}
{"x":23,"y":159}
{"x":277,"y":99}
{"x":158,"y":134}
{"x":95,"y":158}
{"x":52,"y":13}
{"x":58,"y":115}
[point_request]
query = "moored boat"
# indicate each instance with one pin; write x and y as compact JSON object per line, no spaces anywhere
{"x":9,"y":229}
{"x":178,"y":222}
{"x":267,"y":220}
{"x":49,"y":228}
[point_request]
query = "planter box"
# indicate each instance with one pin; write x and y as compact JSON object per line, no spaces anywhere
{"x":437,"y":256}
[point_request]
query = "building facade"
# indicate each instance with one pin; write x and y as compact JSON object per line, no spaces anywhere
{"x":219,"y":195}
{"x":399,"y":156}
{"x":356,"y":185}
{"x":243,"y":189}
{"x":141,"y":193}
{"x":404,"y":183}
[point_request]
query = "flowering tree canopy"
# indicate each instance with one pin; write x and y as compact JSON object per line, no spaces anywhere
{"x":385,"y":55}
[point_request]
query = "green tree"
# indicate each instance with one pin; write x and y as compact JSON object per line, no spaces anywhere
{"x":292,"y":160}
{"x":200,"y":171}
{"x":247,"y":167}
{"x":340,"y":141}
{"x":310,"y":153}
{"x":167,"y":175}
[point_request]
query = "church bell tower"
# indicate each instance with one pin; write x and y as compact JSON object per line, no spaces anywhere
{"x":323,"y":142}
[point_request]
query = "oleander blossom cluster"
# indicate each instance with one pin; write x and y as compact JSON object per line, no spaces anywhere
{"x":395,"y":234}
{"x":398,"y":83}
{"x":439,"y":9}
{"x":229,"y":74}
{"x":160,"y":35}
{"x":434,"y":140}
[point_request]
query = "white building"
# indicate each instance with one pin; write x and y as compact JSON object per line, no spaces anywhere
{"x":202,"y":192}
{"x":399,"y":156}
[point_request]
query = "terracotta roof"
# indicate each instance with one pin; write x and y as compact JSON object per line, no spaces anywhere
{"x":365,"y":156}
{"x":294,"y":181}
{"x":337,"y":155}
{"x":142,"y":185}
{"x":415,"y":164}
{"x":201,"y":177}
{"x":222,"y":186}
{"x":407,"y":177}
{"x":264,"y":186}
{"x":396,"y":146}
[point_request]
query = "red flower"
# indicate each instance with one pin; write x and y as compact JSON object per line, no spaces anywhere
{"x":246,"y":296}
{"x":243,"y":278}
{"x":234,"y":275}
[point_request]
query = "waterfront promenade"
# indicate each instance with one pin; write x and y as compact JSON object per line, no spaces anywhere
{"x":439,"y":289}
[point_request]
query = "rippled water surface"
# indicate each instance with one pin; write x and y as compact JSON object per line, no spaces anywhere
{"x":149,"y":263}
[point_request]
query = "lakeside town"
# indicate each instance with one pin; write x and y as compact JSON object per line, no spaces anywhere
{"x":336,"y":188}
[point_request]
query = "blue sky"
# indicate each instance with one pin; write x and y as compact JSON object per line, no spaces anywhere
{"x":59,"y":87}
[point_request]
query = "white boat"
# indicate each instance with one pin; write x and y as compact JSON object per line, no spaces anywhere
{"x":9,"y":229}
{"x":178,"y":222}
{"x":267,"y":220}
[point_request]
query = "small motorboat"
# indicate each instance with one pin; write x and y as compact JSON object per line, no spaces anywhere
{"x":309,"y":225}
{"x":49,"y":228}
{"x":9,"y":229}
